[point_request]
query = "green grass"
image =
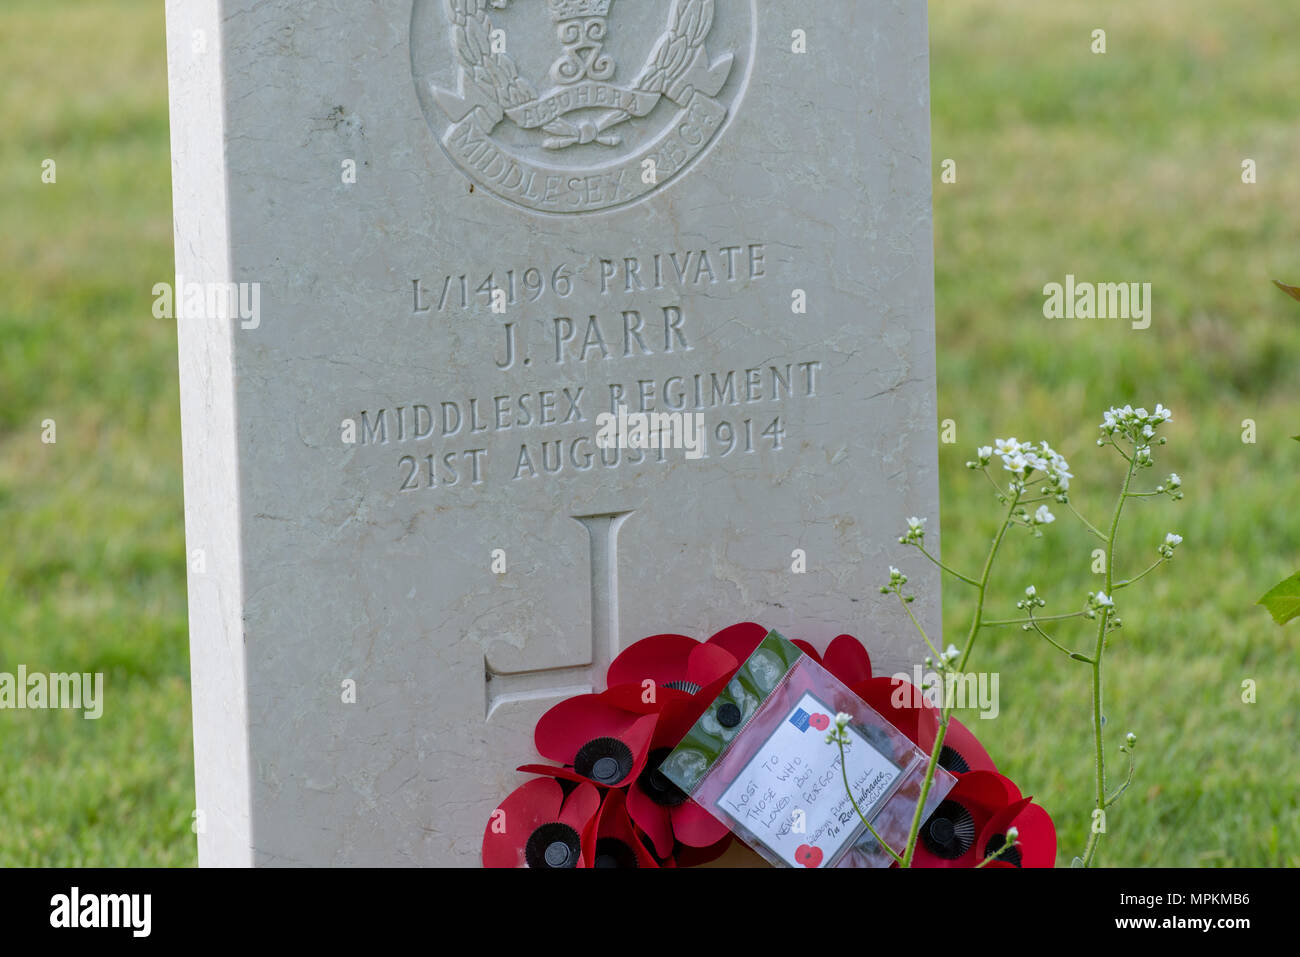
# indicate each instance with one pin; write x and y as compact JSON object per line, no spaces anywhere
{"x":92,"y":565}
{"x":1127,"y":166}
{"x":1117,"y":167}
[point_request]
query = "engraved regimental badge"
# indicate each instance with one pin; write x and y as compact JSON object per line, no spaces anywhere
{"x":573,"y":106}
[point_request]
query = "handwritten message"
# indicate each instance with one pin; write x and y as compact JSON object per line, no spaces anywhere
{"x":791,"y":794}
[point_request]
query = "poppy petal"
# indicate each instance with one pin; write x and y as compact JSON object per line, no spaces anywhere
{"x":740,"y":640}
{"x":1036,"y":844}
{"x":526,"y":808}
{"x":903,"y":705}
{"x":987,"y":790}
{"x":563,"y":774}
{"x":807,"y":649}
{"x":967,"y":808}
{"x":847,"y":660}
{"x":687,"y":856}
{"x":967,"y":747}
{"x":633,"y":697}
{"x":708,"y":663}
{"x":653,"y":819}
{"x":612,"y":822}
{"x":580,"y":807}
{"x":678,"y":717}
{"x":638,"y":738}
{"x":566,"y":727}
{"x":696,"y":827}
{"x":661,"y":658}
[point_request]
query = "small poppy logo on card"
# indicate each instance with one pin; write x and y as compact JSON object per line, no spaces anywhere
{"x":820,"y":721}
{"x":808,"y":855}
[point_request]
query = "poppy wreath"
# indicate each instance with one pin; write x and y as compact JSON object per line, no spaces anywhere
{"x":605,"y":804}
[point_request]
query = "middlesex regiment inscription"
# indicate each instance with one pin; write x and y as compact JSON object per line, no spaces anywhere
{"x":574,"y":329}
{"x":616,"y":105}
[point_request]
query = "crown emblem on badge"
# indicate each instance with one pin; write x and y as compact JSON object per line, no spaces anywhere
{"x":582,"y":25}
{"x":578,"y":9}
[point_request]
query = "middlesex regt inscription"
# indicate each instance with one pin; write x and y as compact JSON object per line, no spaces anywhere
{"x":570,"y":328}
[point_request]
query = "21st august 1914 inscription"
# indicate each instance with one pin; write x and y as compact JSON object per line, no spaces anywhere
{"x":456,"y":439}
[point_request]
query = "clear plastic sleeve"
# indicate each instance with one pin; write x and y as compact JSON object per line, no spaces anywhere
{"x":759,"y":761}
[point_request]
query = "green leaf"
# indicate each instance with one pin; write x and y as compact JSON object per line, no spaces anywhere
{"x":1292,"y":291}
{"x":1283,"y":599}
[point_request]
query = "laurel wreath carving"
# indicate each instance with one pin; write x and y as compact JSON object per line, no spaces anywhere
{"x":494,"y":73}
{"x":497,"y":75}
{"x":689,"y":23}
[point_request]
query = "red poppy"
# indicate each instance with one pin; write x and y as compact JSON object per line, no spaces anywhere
{"x":672,"y":661}
{"x":597,"y":736}
{"x":686,"y":856}
{"x":661,"y":809}
{"x":962,"y":751}
{"x":950,"y":835}
{"x":901,"y":704}
{"x":847,"y":659}
{"x":537,"y":826}
{"x":808,"y":855}
{"x":611,"y":839}
{"x":740,"y":640}
{"x":1035,"y":843}
{"x":905,"y":706}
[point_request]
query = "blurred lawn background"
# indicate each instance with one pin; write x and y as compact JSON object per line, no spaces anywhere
{"x":1117,"y":167}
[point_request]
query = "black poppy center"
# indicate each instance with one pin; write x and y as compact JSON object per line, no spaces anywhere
{"x":611,"y":852}
{"x":605,"y":760}
{"x":655,"y":785}
{"x":950,"y":760}
{"x":996,"y":843}
{"x":950,"y":831}
{"x":553,"y":845}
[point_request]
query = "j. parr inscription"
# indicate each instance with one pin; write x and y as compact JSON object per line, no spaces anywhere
{"x":588,"y":317}
{"x":571,"y":327}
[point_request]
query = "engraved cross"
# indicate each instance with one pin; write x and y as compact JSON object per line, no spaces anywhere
{"x":503,"y":687}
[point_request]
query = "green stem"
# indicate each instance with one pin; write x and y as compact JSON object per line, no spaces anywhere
{"x":952,"y":572}
{"x":1086,"y":524}
{"x":1127,"y":781}
{"x":998,"y":853}
{"x":844,"y":770}
{"x":1033,"y":618}
{"x":1052,"y":641}
{"x":929,"y":644}
{"x":1094,"y":836}
{"x":976,"y":623}
{"x":996,"y":487}
{"x":1125,"y":584}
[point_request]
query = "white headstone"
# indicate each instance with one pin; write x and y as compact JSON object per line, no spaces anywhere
{"x":461,"y":230}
